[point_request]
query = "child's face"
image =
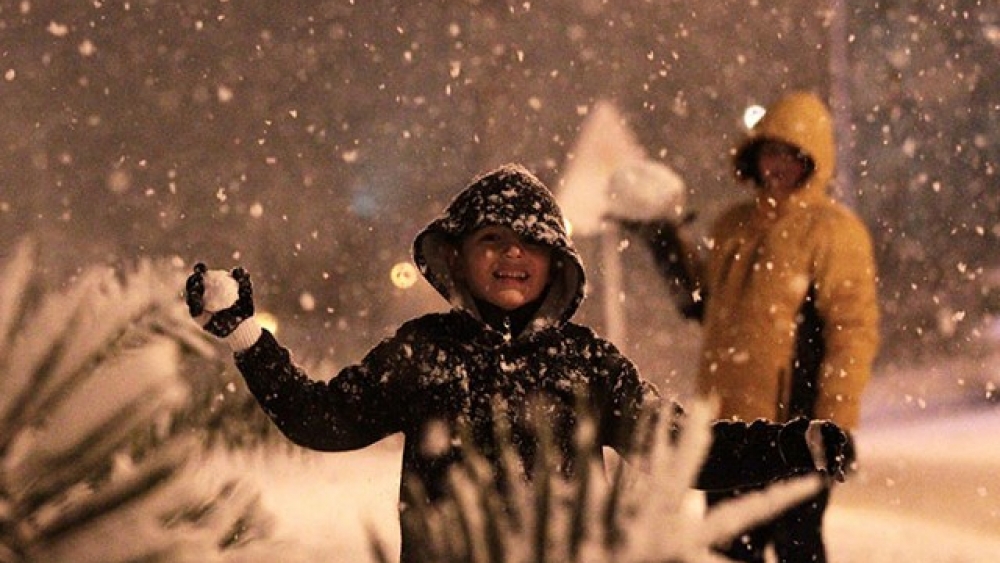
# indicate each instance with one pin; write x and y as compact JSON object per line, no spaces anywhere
{"x":501,"y":268}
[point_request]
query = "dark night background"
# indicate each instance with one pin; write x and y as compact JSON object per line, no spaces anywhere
{"x":309,"y":140}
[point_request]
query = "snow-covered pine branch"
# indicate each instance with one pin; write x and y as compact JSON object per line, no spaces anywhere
{"x":94,"y":382}
{"x":643,"y":512}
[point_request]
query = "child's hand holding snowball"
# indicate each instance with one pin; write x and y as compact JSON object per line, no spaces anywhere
{"x":222,"y":303}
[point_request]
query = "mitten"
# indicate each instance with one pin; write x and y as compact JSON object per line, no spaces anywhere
{"x":817,"y":445}
{"x":222,"y":303}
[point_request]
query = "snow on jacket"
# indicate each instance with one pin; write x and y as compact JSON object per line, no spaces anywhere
{"x":445,"y":376}
{"x":791,"y":316}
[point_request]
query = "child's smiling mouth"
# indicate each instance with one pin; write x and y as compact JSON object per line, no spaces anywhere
{"x":510,"y":275}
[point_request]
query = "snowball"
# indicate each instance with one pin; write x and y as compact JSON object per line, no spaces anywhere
{"x":645,"y":189}
{"x":221,"y":290}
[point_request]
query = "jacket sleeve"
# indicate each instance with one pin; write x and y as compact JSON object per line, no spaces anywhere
{"x":624,"y":402}
{"x":847,"y":303}
{"x":357,"y":407}
{"x":740,"y":454}
{"x":678,"y":261}
{"x":745,"y":455}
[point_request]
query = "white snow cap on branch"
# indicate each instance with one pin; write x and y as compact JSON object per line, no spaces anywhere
{"x":609,"y":174}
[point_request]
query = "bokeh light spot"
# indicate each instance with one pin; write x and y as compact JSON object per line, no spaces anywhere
{"x":403,"y":275}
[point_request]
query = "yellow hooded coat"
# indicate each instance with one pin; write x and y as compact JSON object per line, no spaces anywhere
{"x":769,"y":268}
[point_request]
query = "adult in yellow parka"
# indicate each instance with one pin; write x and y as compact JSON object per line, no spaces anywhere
{"x":787,"y":298}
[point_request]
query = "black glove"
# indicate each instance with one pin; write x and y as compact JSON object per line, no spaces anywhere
{"x":819,"y":445}
{"x":223,"y":322}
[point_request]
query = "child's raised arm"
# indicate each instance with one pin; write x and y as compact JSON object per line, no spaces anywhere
{"x":356,"y":408}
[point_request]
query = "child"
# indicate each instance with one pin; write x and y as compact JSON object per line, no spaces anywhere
{"x":501,"y":257}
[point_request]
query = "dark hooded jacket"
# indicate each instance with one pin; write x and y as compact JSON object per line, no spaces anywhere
{"x":445,"y":378}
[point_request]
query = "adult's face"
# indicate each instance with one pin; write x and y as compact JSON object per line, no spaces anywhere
{"x":781,"y":170}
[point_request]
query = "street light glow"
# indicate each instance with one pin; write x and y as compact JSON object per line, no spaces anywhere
{"x":268,"y":321}
{"x":403,"y":275}
{"x":752,"y":115}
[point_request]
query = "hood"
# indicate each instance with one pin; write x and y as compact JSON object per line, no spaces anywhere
{"x":802,"y":120}
{"x":509,"y":196}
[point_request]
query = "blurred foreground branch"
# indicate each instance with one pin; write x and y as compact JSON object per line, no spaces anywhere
{"x":641,"y":513}
{"x":106,"y":392}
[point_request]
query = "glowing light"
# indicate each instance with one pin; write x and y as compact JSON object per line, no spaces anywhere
{"x":752,"y":115}
{"x":403,"y":275}
{"x":268,"y":321}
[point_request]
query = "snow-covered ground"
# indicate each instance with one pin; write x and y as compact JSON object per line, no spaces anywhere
{"x":928,"y":492}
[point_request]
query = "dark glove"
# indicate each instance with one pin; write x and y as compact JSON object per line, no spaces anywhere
{"x":820,"y":445}
{"x":223,"y":322}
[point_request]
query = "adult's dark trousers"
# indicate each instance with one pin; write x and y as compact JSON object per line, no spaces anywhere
{"x":796,"y":534}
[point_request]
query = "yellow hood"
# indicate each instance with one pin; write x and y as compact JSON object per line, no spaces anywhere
{"x":800,"y":119}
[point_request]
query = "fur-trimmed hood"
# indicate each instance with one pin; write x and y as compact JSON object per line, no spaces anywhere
{"x":509,"y":196}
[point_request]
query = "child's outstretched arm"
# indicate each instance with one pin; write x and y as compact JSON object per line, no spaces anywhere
{"x":741,"y":454}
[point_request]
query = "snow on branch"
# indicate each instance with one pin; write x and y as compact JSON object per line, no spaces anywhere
{"x":642,"y":512}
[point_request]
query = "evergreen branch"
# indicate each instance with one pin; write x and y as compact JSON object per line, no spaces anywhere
{"x":109,"y":424}
{"x":16,"y":277}
{"x":93,"y":381}
{"x":116,"y":494}
{"x":90,"y":327}
{"x":105,"y":329}
{"x":507,"y":517}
